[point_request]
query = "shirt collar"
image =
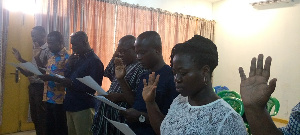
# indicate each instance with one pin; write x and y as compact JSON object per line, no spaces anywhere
{"x":87,"y":54}
{"x":62,"y":52}
{"x":45,"y":46}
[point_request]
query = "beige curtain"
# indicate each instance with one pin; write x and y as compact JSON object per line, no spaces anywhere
{"x":206,"y":28}
{"x":134,"y":19}
{"x":54,"y":15}
{"x":106,"y":21}
{"x":97,"y":19}
{"x":176,"y":28}
{"x":3,"y":45}
{"x":168,"y":31}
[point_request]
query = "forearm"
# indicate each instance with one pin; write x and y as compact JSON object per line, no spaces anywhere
{"x":126,"y":90}
{"x":260,"y":122}
{"x":22,"y":60}
{"x":24,"y":72}
{"x":155,"y":116}
{"x":39,"y":63}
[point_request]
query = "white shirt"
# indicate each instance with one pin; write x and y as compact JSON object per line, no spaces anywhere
{"x":45,"y":55}
{"x":211,"y":119}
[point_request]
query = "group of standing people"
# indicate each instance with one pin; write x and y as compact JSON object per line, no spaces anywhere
{"x":159,"y":99}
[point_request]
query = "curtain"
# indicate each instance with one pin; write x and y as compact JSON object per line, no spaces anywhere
{"x":206,"y":28}
{"x":4,"y":14}
{"x":168,"y":31}
{"x":134,"y":19}
{"x":54,"y":15}
{"x":175,"y":28}
{"x":106,"y":21}
{"x":97,"y":19}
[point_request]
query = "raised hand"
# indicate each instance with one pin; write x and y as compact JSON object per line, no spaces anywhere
{"x":17,"y":54}
{"x":149,"y":90}
{"x":255,"y":91}
{"x":120,"y":70}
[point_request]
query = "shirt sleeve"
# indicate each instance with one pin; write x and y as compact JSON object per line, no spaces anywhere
{"x":110,"y":70}
{"x":233,"y":125}
{"x":293,"y":127}
{"x":164,"y":98}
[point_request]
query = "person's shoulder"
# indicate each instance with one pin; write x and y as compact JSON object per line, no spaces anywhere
{"x":44,"y":47}
{"x":166,"y":70}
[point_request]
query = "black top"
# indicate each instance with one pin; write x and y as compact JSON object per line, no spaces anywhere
{"x":76,"y":98}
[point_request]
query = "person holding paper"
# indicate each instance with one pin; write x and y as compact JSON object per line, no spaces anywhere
{"x":78,"y":103}
{"x":125,"y":52}
{"x":54,"y":93}
{"x":149,"y":53}
{"x":41,"y":54}
{"x":197,"y":110}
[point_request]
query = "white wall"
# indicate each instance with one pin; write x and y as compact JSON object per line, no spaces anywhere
{"x":199,"y":8}
{"x":243,"y":32}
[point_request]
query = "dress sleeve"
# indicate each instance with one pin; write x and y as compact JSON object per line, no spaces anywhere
{"x":233,"y":125}
{"x":293,"y":126}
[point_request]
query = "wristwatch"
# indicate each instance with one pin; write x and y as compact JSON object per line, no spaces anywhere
{"x":142,"y":118}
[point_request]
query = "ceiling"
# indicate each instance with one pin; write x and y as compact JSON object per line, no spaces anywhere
{"x":212,"y":0}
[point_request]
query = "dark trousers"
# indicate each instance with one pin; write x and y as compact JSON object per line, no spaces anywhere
{"x":37,"y":107}
{"x":56,"y":119}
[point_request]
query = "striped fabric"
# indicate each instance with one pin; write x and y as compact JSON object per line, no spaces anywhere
{"x":100,"y":125}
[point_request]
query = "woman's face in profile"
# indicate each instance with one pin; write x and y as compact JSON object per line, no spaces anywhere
{"x":187,"y":75}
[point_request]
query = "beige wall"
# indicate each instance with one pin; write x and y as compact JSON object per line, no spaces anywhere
{"x":199,"y":8}
{"x":243,"y":32}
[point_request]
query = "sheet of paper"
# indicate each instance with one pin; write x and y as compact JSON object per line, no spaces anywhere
{"x":124,"y":128}
{"x":30,"y":67}
{"x":14,"y":64}
{"x":89,"y":81}
{"x":112,"y":104}
{"x":49,"y":71}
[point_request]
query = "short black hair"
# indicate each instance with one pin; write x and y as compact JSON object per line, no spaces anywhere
{"x":152,"y":38}
{"x":80,"y":36}
{"x":202,"y":50}
{"x":40,"y":29}
{"x":128,"y":40}
{"x":57,"y":36}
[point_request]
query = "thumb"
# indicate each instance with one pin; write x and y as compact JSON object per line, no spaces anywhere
{"x":272,"y":85}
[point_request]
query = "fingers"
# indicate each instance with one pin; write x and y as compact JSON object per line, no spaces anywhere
{"x":252,"y":67}
{"x":156,"y":80}
{"x":151,"y":78}
{"x":272,"y":86}
{"x":145,"y":83}
{"x":260,"y":63}
{"x":242,"y":74}
{"x":118,"y":62}
{"x":267,"y":67}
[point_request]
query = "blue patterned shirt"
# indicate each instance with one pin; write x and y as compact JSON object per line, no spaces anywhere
{"x":53,"y":92}
{"x":293,"y":127}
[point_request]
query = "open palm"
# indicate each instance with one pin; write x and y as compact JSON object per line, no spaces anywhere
{"x":255,"y":91}
{"x":120,"y":71}
{"x":149,"y":90}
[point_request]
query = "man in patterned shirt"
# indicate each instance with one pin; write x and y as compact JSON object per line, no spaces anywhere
{"x":256,"y":92}
{"x":126,"y":52}
{"x":54,"y":93}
